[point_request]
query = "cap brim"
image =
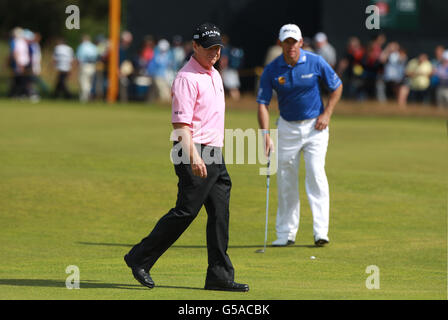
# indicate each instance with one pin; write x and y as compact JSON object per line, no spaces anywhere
{"x":211,"y":43}
{"x":290,"y":35}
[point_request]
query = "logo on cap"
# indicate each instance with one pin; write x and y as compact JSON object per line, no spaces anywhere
{"x":211,"y":33}
{"x":290,"y":31}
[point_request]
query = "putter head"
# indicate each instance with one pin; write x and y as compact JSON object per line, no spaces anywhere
{"x":260,"y":251}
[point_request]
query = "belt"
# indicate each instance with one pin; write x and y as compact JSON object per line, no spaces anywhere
{"x":301,"y":121}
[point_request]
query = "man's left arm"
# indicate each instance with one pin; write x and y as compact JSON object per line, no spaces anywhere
{"x":324,"y":119}
{"x":334,"y":83}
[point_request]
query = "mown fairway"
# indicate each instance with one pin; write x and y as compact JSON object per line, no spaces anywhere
{"x":80,"y":184}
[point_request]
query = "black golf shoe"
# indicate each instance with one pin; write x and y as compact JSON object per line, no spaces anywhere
{"x":143,"y":277}
{"x":140,"y":274}
{"x":226,"y":286}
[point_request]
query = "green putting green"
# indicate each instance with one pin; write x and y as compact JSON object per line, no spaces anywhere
{"x":80,"y":184}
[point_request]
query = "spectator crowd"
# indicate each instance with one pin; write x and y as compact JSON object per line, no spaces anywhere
{"x":383,"y":71}
{"x":374,"y":70}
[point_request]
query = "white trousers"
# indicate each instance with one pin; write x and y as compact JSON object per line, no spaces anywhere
{"x":86,"y":74}
{"x":295,"y":138}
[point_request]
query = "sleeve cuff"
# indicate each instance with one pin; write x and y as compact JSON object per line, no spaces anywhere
{"x":261,"y":101}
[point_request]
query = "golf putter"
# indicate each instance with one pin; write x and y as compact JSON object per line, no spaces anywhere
{"x":267,"y":206}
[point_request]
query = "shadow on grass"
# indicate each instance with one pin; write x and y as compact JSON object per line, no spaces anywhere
{"x":177,"y":287}
{"x":195,"y":246}
{"x":84,"y":284}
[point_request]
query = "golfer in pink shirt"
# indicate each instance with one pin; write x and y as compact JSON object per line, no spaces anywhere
{"x":198,"y":119}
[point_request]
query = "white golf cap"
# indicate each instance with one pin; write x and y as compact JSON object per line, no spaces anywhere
{"x":28,"y":35}
{"x":163,"y":45}
{"x":320,"y":37}
{"x":290,"y":31}
{"x":445,"y":55}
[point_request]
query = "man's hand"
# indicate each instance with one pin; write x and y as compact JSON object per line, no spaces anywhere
{"x":268,"y":145}
{"x":322,"y":121}
{"x":198,"y":167}
{"x":184,"y":136}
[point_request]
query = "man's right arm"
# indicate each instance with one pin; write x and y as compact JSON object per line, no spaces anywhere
{"x":183,"y":99}
{"x":263,"y":122}
{"x":263,"y":98}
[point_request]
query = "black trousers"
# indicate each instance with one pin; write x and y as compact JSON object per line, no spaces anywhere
{"x":19,"y":86}
{"x":61,"y":86}
{"x":214,"y":193}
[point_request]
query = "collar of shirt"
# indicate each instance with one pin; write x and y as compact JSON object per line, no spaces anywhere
{"x":302,"y":60}
{"x":198,"y":67}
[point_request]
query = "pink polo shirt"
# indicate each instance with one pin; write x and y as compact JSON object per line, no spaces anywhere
{"x":198,"y":100}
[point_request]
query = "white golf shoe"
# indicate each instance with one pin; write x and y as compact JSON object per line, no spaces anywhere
{"x":282,"y":243}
